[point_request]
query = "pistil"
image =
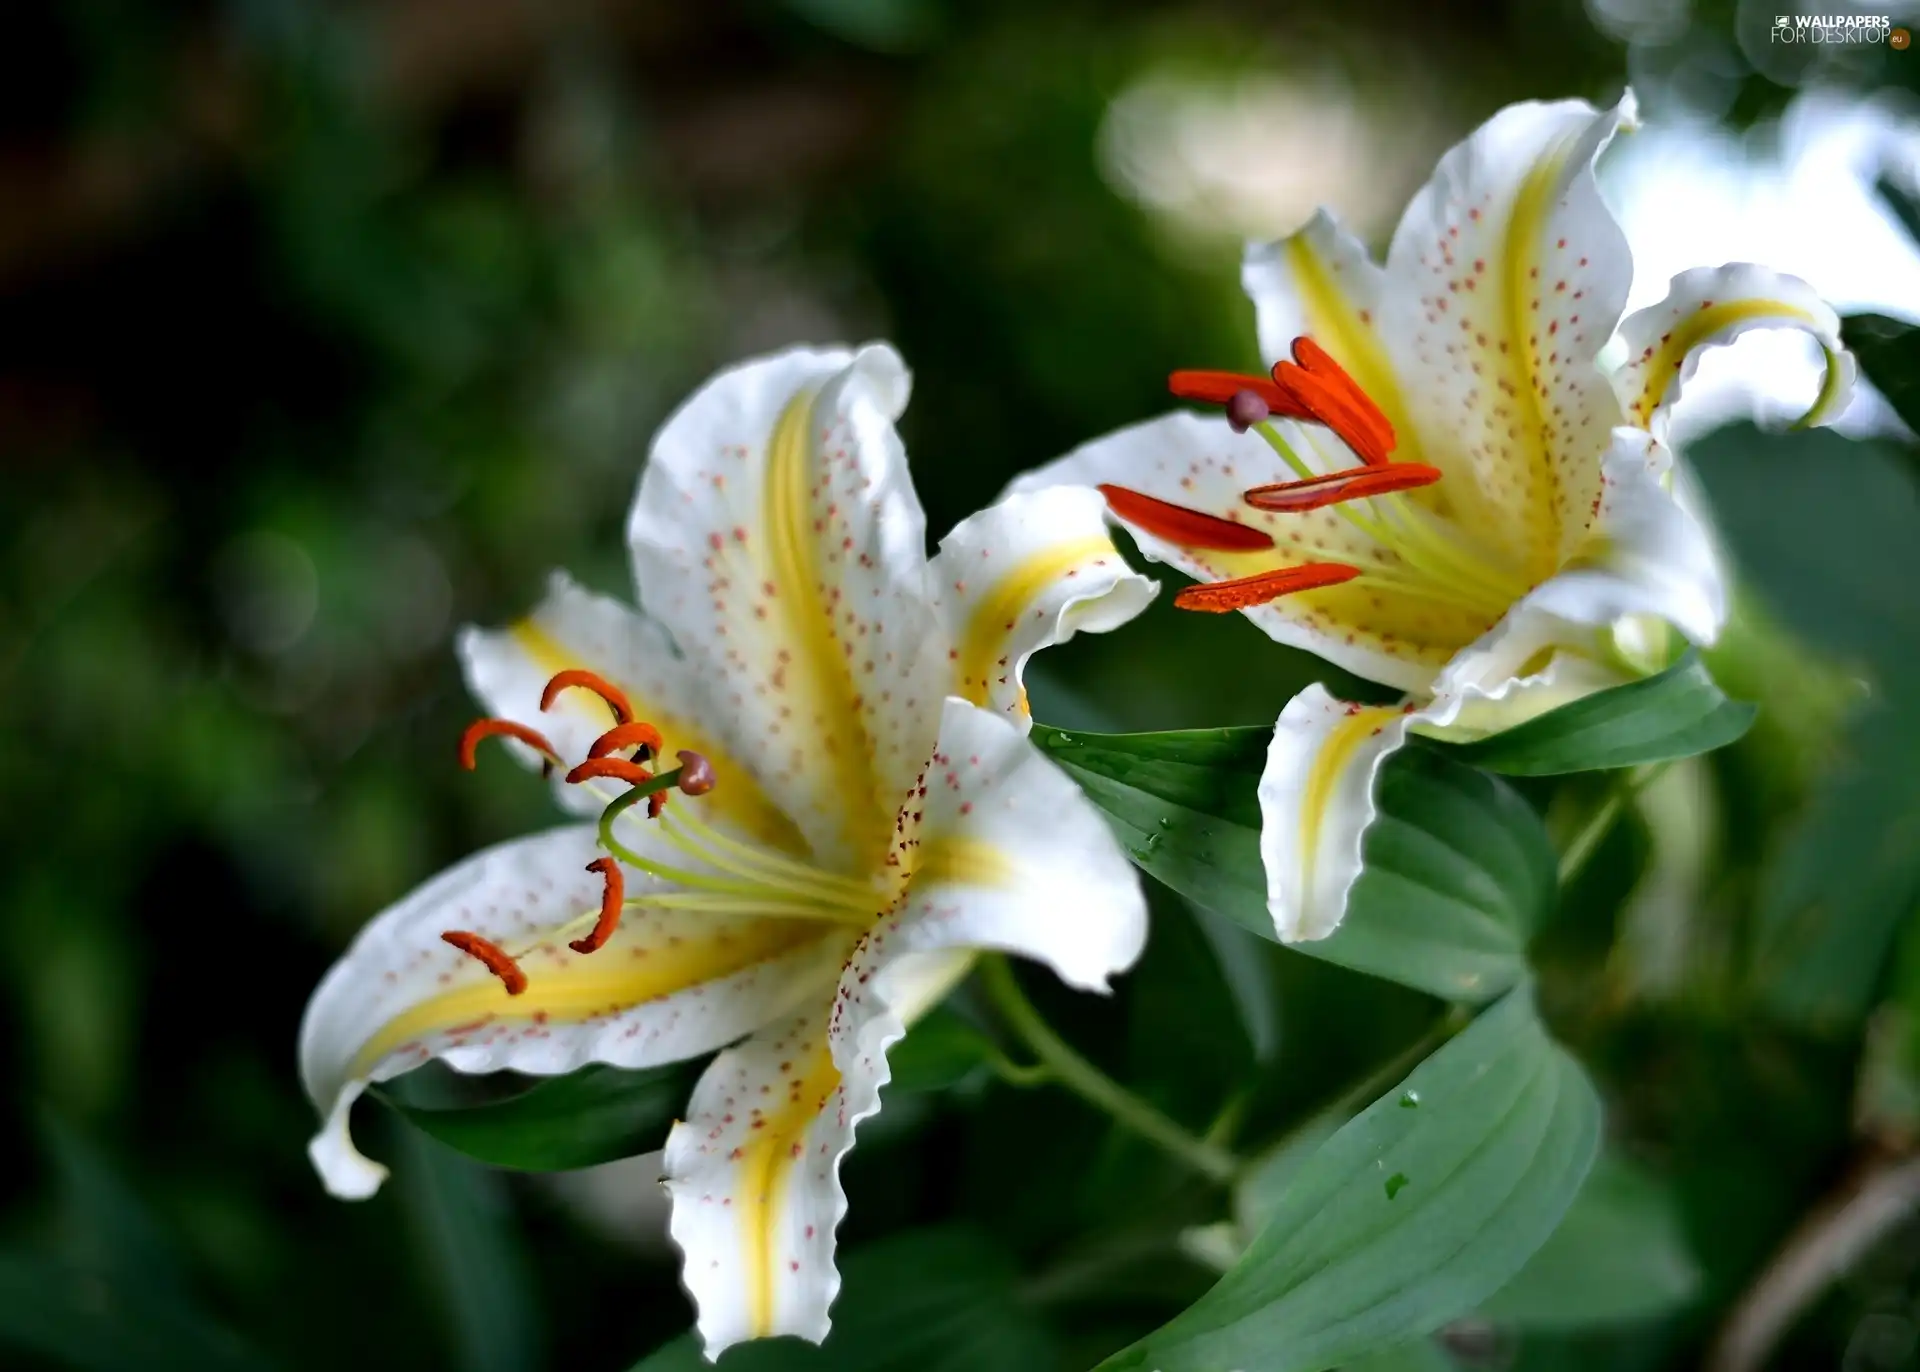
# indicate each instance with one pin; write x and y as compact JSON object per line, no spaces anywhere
{"x":738,"y":879}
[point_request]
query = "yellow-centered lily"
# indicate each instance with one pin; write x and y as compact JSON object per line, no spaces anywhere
{"x":862,"y":811}
{"x":1438,"y":487}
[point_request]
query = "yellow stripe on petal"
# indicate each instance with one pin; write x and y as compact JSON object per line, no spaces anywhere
{"x":1526,"y":231}
{"x":569,"y":988}
{"x":983,"y":643}
{"x":1699,"y":328}
{"x":962,"y":861}
{"x":767,"y":1160}
{"x":1323,"y":775}
{"x":799,"y":581}
{"x":1346,"y":332}
{"x":736,"y":797}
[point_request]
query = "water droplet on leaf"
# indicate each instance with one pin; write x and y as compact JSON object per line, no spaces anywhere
{"x":1409,"y":1100}
{"x":1394,"y":1183}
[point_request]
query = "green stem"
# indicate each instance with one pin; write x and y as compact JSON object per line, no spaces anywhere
{"x":1581,"y":849}
{"x":1094,"y":1086}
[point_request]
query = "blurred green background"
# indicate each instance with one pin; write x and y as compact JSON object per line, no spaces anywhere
{"x":325,"y":328}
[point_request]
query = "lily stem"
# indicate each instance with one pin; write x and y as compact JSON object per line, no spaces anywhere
{"x":1583,"y":844}
{"x":1095,"y":1087}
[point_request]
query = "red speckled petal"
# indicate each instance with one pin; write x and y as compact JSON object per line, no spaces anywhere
{"x":1506,"y":278}
{"x":777,"y":537}
{"x":668,"y":984}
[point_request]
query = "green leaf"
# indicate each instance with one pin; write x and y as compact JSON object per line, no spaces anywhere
{"x":1889,"y":354}
{"x":942,"y":1049}
{"x":1424,"y":1355}
{"x":1407,"y":1217}
{"x":598,"y":1114}
{"x":103,"y":1225}
{"x":1188,"y":1048}
{"x":472,"y":1253}
{"x":1458,"y":868}
{"x":931,"y":1300}
{"x":1619,"y":1256}
{"x":1679,"y":713}
{"x":1845,"y":878}
{"x":1823,"y":527}
{"x":97,"y":1322}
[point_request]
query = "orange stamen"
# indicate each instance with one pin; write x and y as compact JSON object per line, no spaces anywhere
{"x":1319,"y":388}
{"x":496,"y":958}
{"x":611,"y":899}
{"x":633,"y":733}
{"x":1217,"y":388}
{"x":616,"y":767}
{"x":1331,"y":488}
{"x":1245,"y":592}
{"x":487,"y":728}
{"x":578,"y":676}
{"x":1183,"y":527}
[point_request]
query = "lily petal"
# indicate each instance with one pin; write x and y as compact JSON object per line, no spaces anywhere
{"x":754,"y":1171}
{"x":1643,"y":555}
{"x":507,"y":669}
{"x":1013,"y":857}
{"x":1320,"y":282}
{"x":754,"y":1175}
{"x":1508,"y":275}
{"x":669,"y":984}
{"x":1023,"y":575}
{"x":1316,"y":803}
{"x":777,"y":537}
{"x":1201,"y":463}
{"x":1711,"y":306}
{"x":1517,"y":694}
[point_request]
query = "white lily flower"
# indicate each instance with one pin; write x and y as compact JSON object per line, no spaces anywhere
{"x":1451,"y":496}
{"x":863,"y":813}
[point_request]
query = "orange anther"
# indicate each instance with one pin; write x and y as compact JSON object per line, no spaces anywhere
{"x":496,"y":958}
{"x":1245,"y":592}
{"x":487,"y":728}
{"x":1181,"y":526}
{"x":578,"y":676}
{"x":1331,"y":488}
{"x":616,"y":767}
{"x":1217,"y":388}
{"x":1319,"y":388}
{"x":612,"y":897}
{"x":634,"y":733}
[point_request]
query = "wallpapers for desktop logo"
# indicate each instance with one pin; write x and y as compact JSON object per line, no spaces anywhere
{"x":1857,"y":29}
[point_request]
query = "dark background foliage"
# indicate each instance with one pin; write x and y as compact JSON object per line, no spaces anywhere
{"x":325,"y":328}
